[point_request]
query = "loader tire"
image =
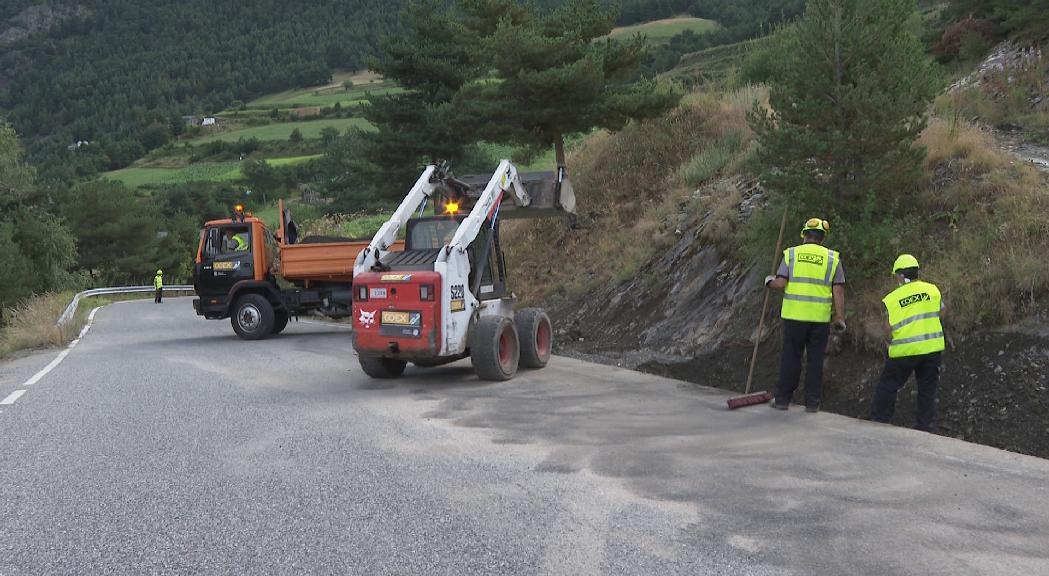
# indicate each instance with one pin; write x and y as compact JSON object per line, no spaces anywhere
{"x":536,"y":336}
{"x":494,"y":349}
{"x":280,"y":321}
{"x":382,"y":368}
{"x":252,"y":317}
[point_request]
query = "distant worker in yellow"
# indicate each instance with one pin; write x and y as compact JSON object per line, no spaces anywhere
{"x":158,"y":284}
{"x":812,"y":278}
{"x":914,"y":311}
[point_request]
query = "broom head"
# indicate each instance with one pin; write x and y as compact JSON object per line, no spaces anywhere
{"x":749,"y":400}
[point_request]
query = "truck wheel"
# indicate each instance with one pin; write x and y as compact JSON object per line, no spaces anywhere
{"x":536,"y":336}
{"x":280,"y":321}
{"x":378,"y":367}
{"x":494,"y":349}
{"x":252,"y":317}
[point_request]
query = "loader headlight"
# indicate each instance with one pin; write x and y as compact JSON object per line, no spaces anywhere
{"x":426,"y":292}
{"x":362,"y":293}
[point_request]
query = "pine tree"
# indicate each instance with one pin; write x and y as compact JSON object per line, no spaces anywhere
{"x":432,"y":62}
{"x":555,"y":73}
{"x":847,"y":105}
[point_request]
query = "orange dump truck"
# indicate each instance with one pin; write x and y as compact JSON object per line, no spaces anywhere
{"x":260,"y":278}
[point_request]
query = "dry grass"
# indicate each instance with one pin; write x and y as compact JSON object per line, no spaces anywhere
{"x":961,"y":147}
{"x":984,"y":227}
{"x":31,"y":324}
{"x":719,"y":202}
{"x":979,"y":224}
{"x":633,"y":193}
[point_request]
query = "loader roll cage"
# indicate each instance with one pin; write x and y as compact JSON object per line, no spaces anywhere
{"x":445,"y":297}
{"x":427,"y":236}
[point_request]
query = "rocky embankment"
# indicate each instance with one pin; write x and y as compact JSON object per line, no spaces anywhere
{"x":692,"y":314}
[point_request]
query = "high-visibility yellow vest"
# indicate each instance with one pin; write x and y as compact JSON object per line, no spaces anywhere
{"x":914,"y":315}
{"x":242,"y":244}
{"x":808,"y":296}
{"x":158,"y":281}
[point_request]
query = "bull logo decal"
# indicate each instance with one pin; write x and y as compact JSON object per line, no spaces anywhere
{"x":367,"y":319}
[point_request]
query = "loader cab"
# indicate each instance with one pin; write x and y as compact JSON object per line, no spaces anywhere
{"x":426,"y":237}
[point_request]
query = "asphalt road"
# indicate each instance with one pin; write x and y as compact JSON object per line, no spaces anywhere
{"x":164,"y":445}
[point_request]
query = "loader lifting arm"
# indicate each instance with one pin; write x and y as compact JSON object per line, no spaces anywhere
{"x":505,"y":179}
{"x":371,"y":256}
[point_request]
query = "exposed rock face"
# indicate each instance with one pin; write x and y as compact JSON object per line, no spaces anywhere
{"x":37,"y":19}
{"x":692,"y":314}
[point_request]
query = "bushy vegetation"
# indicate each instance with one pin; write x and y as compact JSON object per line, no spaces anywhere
{"x":847,"y":101}
{"x":37,"y":249}
{"x":499,"y":71}
{"x":1022,"y":18}
{"x":977,"y":218}
{"x":633,"y":197}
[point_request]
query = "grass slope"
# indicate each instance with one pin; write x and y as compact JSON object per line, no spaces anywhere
{"x":200,"y":172}
{"x":281,"y":131}
{"x":325,"y":96}
{"x":711,"y":65}
{"x":661,"y":31}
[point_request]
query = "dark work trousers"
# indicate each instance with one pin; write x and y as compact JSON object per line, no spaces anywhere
{"x":159,"y":296}
{"x":800,"y":338}
{"x":897,"y":371}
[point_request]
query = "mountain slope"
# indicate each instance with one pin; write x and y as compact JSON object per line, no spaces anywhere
{"x":123,"y":65}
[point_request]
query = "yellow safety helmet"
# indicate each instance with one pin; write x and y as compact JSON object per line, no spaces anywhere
{"x":904,"y":262}
{"x":160,"y":271}
{"x":816,"y":224}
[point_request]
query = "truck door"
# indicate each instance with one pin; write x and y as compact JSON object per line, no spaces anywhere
{"x":226,"y":258}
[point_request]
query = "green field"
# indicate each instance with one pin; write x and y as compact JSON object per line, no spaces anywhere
{"x":321,"y":97}
{"x":201,"y":172}
{"x":281,"y":131}
{"x":711,"y":65}
{"x":661,"y":31}
{"x":210,"y":172}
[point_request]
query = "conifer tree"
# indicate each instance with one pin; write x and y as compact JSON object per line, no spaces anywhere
{"x":555,"y":73}
{"x":847,"y":104}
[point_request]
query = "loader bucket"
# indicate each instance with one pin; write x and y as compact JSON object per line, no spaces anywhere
{"x":548,"y":195}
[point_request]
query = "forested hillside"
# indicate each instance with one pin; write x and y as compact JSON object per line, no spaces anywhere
{"x":126,"y":65}
{"x":120,"y":73}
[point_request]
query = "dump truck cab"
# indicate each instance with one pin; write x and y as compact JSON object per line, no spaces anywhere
{"x":260,"y":279}
{"x":233,"y":255}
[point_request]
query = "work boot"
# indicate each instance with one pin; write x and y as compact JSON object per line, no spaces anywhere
{"x":812,"y":409}
{"x":777,"y":405}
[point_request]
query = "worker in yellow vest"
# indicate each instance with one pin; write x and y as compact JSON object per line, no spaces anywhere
{"x":158,"y":285}
{"x":812,"y":278}
{"x":914,"y":312}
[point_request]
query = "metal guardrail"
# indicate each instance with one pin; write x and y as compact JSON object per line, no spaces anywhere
{"x":70,"y":310}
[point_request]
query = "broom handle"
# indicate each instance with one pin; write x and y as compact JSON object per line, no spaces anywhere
{"x":765,"y":304}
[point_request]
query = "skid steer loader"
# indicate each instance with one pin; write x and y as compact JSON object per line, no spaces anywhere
{"x":444,"y":297}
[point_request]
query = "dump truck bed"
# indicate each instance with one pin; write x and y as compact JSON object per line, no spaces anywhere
{"x":322,"y":261}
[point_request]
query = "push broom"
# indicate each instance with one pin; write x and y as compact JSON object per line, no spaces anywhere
{"x":748,"y":398}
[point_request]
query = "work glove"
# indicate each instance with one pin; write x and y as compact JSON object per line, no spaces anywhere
{"x":839,"y":326}
{"x":769,"y":279}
